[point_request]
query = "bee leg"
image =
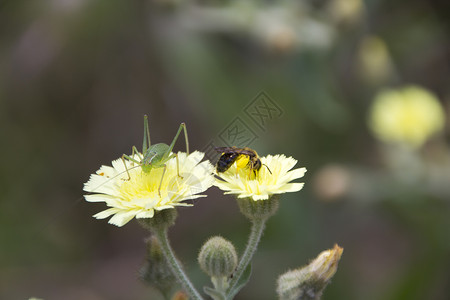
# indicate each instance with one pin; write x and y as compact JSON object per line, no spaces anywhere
{"x":250,"y":173}
{"x":268,"y":169}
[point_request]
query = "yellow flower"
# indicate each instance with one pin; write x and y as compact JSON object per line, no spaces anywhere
{"x":138,"y":196}
{"x":409,"y":115}
{"x":240,"y":181}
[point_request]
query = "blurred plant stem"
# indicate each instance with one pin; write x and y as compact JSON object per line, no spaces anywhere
{"x":161,"y":235}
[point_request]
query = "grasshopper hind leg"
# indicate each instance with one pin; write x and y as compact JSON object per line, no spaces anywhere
{"x":181,"y":128}
{"x":161,"y":181}
{"x":178,"y":166}
{"x":164,"y":173}
{"x":162,"y":178}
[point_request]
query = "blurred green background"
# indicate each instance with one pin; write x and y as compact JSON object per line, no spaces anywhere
{"x":77,"y":76}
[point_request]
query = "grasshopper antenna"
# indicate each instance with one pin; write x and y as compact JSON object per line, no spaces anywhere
{"x":60,"y":214}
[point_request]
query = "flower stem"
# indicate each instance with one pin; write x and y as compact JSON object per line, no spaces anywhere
{"x":161,"y":234}
{"x":257,"y":229}
{"x":220,"y":284}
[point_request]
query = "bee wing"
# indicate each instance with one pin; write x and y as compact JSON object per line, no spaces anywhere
{"x":242,"y":151}
{"x":225,"y":149}
{"x":247,"y":152}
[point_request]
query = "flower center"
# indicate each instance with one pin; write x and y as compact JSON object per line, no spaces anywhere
{"x":143,"y":185}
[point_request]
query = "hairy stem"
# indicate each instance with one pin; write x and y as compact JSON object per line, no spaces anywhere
{"x":252,"y":244}
{"x":175,"y":266}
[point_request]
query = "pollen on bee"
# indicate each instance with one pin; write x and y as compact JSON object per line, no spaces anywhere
{"x":101,"y":174}
{"x":242,"y":161}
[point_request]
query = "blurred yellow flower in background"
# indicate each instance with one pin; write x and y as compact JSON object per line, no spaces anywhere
{"x":374,"y":61}
{"x":346,"y":11}
{"x":409,"y":115}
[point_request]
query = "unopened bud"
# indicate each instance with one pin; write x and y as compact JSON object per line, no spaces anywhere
{"x":308,"y":283}
{"x":218,"y":257}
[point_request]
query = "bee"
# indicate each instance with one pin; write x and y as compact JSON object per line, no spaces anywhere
{"x":243,"y":157}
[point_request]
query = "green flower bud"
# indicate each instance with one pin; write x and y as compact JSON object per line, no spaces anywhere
{"x":308,"y":283}
{"x":156,"y":271}
{"x":259,"y":209}
{"x":162,"y":219}
{"x":218,"y":257}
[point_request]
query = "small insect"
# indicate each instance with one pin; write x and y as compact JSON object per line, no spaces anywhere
{"x":155,"y":156}
{"x":243,"y":157}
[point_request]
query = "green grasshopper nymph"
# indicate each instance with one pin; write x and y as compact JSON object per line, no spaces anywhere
{"x":155,"y":156}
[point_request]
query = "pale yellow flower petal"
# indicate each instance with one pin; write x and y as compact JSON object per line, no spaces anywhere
{"x":145,"y":214}
{"x":274,"y":177}
{"x":136,"y":194}
{"x":122,"y":217}
{"x":106,"y":213}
